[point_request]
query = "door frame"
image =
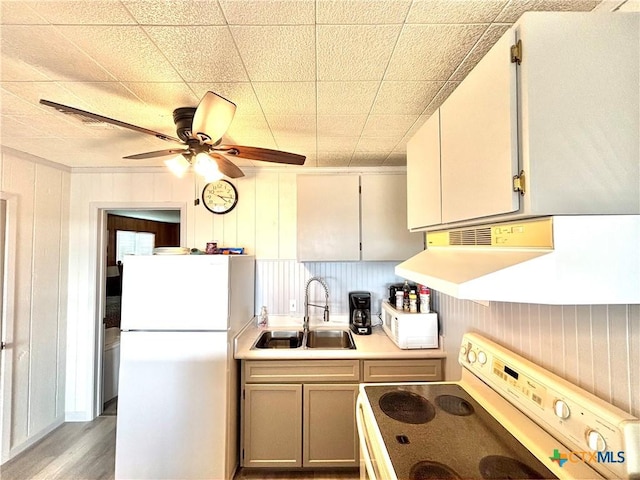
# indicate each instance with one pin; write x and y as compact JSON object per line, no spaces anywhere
{"x":99,"y":212}
{"x":7,"y":316}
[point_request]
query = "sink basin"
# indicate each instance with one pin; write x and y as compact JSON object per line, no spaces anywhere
{"x":280,"y":339}
{"x":330,"y":339}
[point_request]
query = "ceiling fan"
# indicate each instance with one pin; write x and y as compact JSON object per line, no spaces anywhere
{"x":200,"y":132}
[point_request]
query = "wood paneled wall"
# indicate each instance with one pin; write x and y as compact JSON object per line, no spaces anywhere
{"x":38,"y":338}
{"x":167,"y":234}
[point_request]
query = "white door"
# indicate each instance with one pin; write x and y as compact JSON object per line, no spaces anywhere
{"x":172,"y":405}
{"x":175,"y":292}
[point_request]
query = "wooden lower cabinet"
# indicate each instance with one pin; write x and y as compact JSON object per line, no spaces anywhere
{"x":302,"y":413}
{"x":272,"y":433}
{"x":330,"y":437}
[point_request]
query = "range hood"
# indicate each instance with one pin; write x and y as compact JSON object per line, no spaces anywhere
{"x":558,"y":260}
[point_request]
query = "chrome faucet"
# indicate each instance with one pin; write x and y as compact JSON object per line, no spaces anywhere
{"x":305,"y":321}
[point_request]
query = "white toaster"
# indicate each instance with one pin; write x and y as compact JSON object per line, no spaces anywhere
{"x":410,"y":330}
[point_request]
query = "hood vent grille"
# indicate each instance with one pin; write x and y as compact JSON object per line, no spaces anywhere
{"x":472,"y":236}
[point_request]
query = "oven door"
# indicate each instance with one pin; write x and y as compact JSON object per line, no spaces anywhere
{"x":375,"y":463}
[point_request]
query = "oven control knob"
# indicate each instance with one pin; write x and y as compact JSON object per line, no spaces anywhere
{"x":596,"y":441}
{"x":561,"y":409}
{"x":482,"y":358}
{"x":463,"y":351}
{"x":471,"y":356}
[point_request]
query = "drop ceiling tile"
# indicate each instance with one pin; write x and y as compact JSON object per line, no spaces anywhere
{"x":515,"y":8}
{"x":404,"y":97}
{"x":286,"y":98}
{"x":440,"y":49}
{"x":367,"y":160}
{"x":337,"y":144}
{"x":346,"y":97}
{"x":82,"y":12}
{"x":273,"y":12}
{"x":440,"y":97}
{"x":388,"y":125}
{"x":32,"y":92}
{"x":18,"y":69}
{"x":395,"y":160}
{"x":249,"y":126}
{"x":292,"y":124}
{"x":164,"y":96}
{"x":354,"y":52}
{"x":249,"y":139}
{"x":19,"y":13}
{"x":480,"y":49}
{"x":370,"y":12}
{"x":341,"y":125}
{"x":202,"y":53}
{"x":290,"y":55}
{"x":377,"y":145}
{"x":192,"y":12}
{"x":240,"y":93}
{"x":14,"y":127}
{"x":118,"y":49}
{"x":301,"y":144}
{"x":43,"y":47}
{"x":454,"y":11}
{"x":333,"y":159}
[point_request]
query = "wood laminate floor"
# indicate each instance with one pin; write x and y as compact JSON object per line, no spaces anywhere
{"x":86,"y":451}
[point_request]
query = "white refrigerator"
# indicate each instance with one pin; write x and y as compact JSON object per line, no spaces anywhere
{"x":178,"y":388}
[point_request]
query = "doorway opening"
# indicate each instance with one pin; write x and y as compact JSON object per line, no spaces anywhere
{"x":124,"y":231}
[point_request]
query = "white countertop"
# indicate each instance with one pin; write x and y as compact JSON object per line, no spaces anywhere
{"x":376,"y":345}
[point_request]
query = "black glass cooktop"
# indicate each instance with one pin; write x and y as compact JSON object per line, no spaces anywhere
{"x":438,"y":431}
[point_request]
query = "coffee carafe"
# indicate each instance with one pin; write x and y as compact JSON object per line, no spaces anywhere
{"x":360,"y":312}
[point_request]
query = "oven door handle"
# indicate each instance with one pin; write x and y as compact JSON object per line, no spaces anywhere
{"x":366,"y":455}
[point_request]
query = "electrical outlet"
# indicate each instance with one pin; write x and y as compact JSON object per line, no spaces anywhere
{"x":292,"y":305}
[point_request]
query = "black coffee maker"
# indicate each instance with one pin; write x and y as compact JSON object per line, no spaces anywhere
{"x":360,"y":312}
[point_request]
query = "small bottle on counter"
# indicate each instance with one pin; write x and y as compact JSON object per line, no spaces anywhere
{"x":413,"y":302}
{"x":406,"y":290}
{"x":263,"y":318}
{"x":399,"y":300}
{"x":425,"y":298}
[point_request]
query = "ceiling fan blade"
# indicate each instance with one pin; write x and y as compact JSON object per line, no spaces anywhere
{"x":88,"y":118}
{"x":158,"y":153}
{"x":227,"y":167}
{"x":212,"y":118}
{"x":263,"y":154}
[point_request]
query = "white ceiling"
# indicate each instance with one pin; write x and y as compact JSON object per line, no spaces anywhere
{"x":344,"y":82}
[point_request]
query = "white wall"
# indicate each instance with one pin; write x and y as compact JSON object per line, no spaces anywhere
{"x":38,"y":279}
{"x":596,"y":347}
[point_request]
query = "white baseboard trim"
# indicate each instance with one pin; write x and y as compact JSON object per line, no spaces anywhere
{"x":32,"y":440}
{"x":78,"y":416}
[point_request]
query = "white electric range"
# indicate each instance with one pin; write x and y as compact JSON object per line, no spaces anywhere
{"x":505,"y":418}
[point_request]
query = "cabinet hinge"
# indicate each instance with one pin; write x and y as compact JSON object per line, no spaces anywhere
{"x":3,"y":345}
{"x":243,"y":395}
{"x":516,"y":52}
{"x":519,"y":183}
{"x":243,"y":454}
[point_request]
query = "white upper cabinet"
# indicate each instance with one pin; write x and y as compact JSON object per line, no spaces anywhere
{"x":567,"y":117}
{"x":328,"y":217}
{"x":351,"y":217}
{"x":479,"y":140}
{"x":424,"y":201}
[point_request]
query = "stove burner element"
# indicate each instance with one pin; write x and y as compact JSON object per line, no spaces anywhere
{"x":455,"y":405}
{"x":431,"y":471}
{"x":497,"y":467}
{"x":407,"y":407}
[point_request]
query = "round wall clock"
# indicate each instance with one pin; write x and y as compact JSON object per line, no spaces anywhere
{"x":220,"y":197}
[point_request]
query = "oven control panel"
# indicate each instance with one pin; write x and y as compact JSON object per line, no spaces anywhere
{"x":591,"y":429}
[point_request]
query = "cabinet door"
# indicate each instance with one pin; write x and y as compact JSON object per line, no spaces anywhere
{"x":384,"y":212}
{"x":330,"y":434}
{"x":479,"y":141}
{"x":424,"y":199}
{"x":328,"y":217}
{"x":272,"y":431}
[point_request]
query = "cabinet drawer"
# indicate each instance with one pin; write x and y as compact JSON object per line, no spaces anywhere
{"x":259,"y":371}
{"x":418,"y":370}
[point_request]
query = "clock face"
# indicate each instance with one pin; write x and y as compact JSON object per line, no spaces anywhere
{"x":219,"y":197}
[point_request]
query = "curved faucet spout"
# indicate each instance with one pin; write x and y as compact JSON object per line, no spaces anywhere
{"x":305,"y":321}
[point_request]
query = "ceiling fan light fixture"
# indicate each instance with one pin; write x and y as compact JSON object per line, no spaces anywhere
{"x":178,"y":165}
{"x":212,"y":118}
{"x":207,"y":167}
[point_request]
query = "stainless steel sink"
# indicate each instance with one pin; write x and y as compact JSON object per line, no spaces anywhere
{"x":280,"y":339}
{"x":339,"y":339}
